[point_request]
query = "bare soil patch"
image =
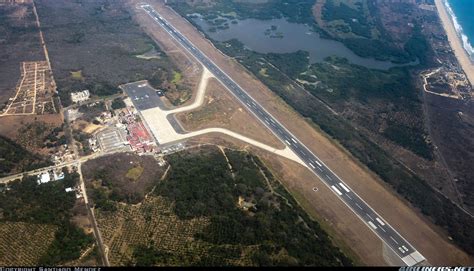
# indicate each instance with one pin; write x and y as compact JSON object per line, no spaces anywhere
{"x":10,"y":125}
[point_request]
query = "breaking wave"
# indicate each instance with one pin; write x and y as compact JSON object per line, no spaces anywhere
{"x":465,"y":40}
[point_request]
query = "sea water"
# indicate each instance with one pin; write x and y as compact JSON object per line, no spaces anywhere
{"x":462,"y":15}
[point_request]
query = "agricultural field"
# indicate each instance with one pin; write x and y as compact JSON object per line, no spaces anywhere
{"x":206,"y":211}
{"x":51,"y":216}
{"x":24,"y":243}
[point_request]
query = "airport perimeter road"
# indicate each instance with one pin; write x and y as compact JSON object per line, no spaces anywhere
{"x":407,"y":253}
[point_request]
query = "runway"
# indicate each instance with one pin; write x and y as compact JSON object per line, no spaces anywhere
{"x":401,"y":247}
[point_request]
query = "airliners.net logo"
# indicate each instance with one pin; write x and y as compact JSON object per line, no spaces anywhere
{"x":428,"y":268}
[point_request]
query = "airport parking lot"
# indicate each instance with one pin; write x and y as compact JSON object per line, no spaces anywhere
{"x":111,"y":140}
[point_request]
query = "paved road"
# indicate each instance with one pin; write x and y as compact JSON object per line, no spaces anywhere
{"x":407,"y":253}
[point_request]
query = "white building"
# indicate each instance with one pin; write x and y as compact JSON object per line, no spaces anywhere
{"x":44,"y":178}
{"x":80,"y":96}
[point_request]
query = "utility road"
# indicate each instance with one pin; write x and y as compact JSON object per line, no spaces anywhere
{"x":401,"y":247}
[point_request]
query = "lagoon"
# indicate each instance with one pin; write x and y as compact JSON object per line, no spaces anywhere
{"x":281,"y":36}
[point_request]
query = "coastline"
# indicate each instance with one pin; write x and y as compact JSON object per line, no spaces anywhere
{"x":455,"y":41}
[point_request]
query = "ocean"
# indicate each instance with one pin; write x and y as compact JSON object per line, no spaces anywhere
{"x":462,"y":15}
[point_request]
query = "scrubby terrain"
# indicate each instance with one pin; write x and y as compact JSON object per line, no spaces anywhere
{"x":96,"y":45}
{"x":207,"y":211}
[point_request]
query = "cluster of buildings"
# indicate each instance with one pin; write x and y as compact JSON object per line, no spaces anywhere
{"x":138,"y":136}
{"x":80,"y":96}
{"x":51,"y":175}
{"x":56,"y":175}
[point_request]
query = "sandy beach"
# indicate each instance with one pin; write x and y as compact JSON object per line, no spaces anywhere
{"x":455,"y":41}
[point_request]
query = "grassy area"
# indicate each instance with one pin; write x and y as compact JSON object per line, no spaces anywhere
{"x":77,"y":75}
{"x":177,"y":76}
{"x":134,"y":173}
{"x":202,"y":214}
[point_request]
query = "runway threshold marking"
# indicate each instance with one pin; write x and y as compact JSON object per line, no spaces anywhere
{"x":372,"y":225}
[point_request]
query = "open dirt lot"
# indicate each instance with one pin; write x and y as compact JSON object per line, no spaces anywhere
{"x":34,"y":91}
{"x":220,"y":109}
{"x":9,"y":125}
{"x":427,"y":238}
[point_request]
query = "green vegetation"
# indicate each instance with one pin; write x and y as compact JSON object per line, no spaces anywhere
{"x":92,"y":111}
{"x":361,"y":30}
{"x":14,"y":158}
{"x":353,"y":23}
{"x":382,"y":102}
{"x":418,"y":47}
{"x":339,"y":83}
{"x":83,"y":139}
{"x":212,"y":216}
{"x":373,"y":90}
{"x":118,"y":103}
{"x":68,"y":244}
{"x":298,"y":11}
{"x":149,"y":256}
{"x":77,"y":75}
{"x":354,"y":18}
{"x":53,"y":139}
{"x":48,"y":203}
{"x":201,"y":185}
{"x":177,"y":76}
{"x":291,"y":64}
